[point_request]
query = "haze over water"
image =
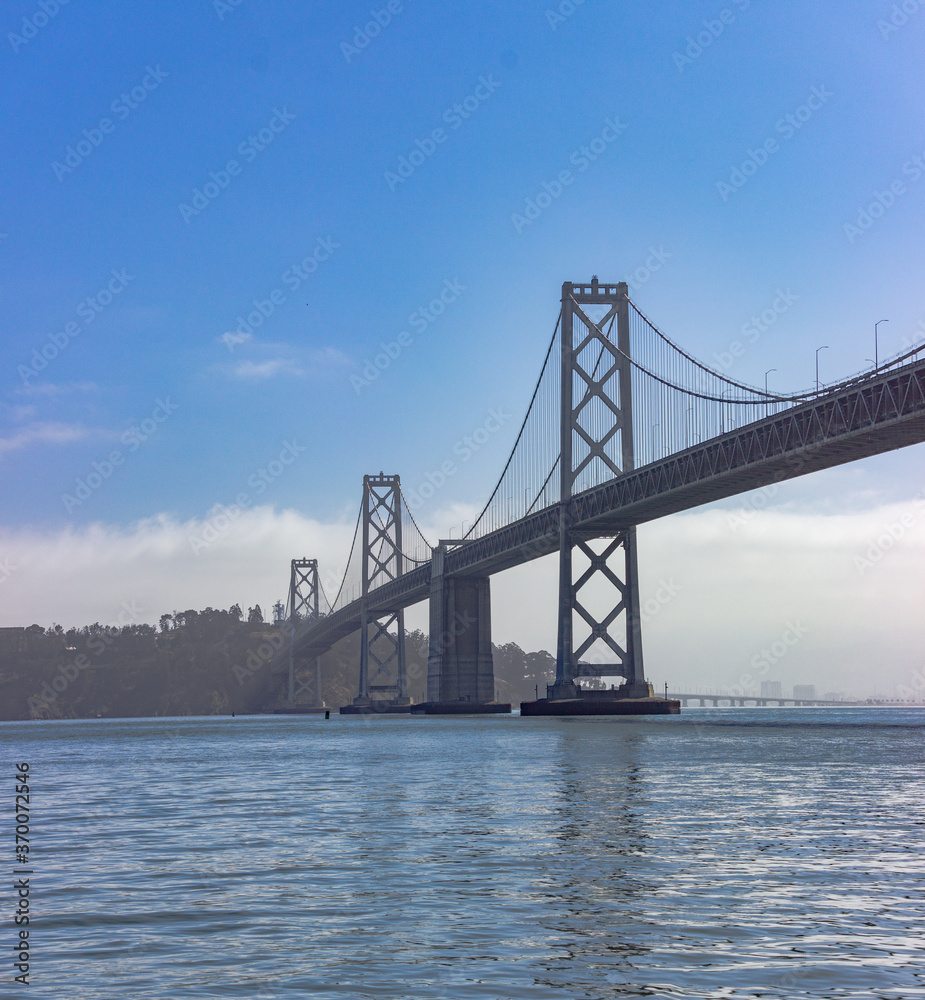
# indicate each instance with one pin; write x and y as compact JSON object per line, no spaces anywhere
{"x":739,"y":853}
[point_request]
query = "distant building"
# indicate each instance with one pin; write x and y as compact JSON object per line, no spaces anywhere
{"x":804,"y":692}
{"x":771,"y":689}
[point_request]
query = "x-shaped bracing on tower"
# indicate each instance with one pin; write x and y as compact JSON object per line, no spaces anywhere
{"x":304,"y":594}
{"x":596,"y":444}
{"x":382,"y":651}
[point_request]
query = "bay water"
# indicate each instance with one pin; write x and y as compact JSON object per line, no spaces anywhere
{"x":720,"y":853}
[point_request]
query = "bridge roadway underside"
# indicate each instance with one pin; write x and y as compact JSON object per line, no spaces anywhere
{"x":868,"y":418}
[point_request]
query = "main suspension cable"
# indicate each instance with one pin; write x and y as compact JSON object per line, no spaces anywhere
{"x":521,"y":431}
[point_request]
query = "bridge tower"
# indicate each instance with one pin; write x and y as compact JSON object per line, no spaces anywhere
{"x":382,"y":652}
{"x":304,"y":591}
{"x":596,"y":438}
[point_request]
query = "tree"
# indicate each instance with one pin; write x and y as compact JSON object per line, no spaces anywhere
{"x":236,"y":612}
{"x":255,"y":615}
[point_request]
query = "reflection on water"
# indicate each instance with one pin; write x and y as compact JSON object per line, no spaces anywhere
{"x":773,"y":853}
{"x":593,"y":896}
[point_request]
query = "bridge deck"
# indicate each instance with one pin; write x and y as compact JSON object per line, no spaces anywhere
{"x":870,"y":417}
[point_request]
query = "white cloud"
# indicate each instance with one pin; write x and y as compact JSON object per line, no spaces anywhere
{"x":736,"y":589}
{"x":44,"y":433}
{"x":233,"y":338}
{"x":267,"y":369}
{"x":81,"y":575}
{"x":267,"y":360}
{"x":845,"y":577}
{"x":314,"y":361}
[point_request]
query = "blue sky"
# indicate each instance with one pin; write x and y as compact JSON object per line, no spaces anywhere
{"x":537,"y":82}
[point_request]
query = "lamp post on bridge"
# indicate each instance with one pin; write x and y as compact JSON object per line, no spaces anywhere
{"x":824,"y":347}
{"x":767,"y":402}
{"x":876,"y":345}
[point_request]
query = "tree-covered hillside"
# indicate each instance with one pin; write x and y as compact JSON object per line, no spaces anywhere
{"x":208,"y":662}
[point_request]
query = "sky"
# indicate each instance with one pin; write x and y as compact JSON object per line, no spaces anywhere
{"x":214,"y":216}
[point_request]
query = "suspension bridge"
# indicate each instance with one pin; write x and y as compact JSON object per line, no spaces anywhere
{"x":623,"y":426}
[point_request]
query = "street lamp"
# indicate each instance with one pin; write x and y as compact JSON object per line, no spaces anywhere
{"x":767,"y":402}
{"x":824,"y":347}
{"x":876,"y":346}
{"x":654,"y":442}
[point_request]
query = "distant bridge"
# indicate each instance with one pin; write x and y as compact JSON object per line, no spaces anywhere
{"x":623,"y":427}
{"x":741,"y":701}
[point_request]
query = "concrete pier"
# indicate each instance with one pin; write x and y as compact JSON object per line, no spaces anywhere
{"x":377,"y":707}
{"x":600,"y":706}
{"x":461,"y":708}
{"x":460,"y":666}
{"x":631,"y":698}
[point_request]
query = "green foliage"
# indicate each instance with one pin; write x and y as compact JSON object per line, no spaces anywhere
{"x":520,"y":676}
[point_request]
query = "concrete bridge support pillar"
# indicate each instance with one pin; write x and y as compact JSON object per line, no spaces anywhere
{"x":460,"y":666}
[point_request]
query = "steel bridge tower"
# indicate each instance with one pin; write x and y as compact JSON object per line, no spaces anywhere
{"x":382,"y":653}
{"x":304,"y":592}
{"x":596,"y":435}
